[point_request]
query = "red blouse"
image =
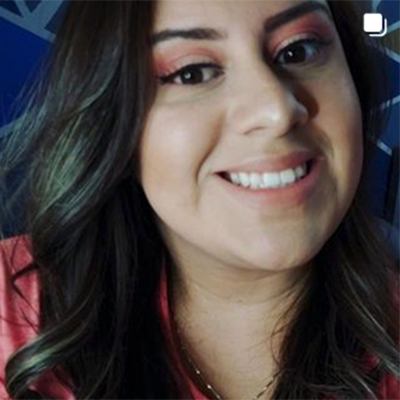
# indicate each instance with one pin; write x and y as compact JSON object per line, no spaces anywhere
{"x":19,"y":324}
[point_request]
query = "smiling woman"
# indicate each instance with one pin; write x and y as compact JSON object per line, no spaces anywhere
{"x":195,"y":219}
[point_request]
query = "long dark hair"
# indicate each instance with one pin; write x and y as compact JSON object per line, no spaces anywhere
{"x":97,"y":250}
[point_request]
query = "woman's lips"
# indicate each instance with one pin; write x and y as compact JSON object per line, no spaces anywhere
{"x":292,"y":195}
{"x":272,"y":163}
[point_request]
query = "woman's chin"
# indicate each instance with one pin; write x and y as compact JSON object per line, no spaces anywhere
{"x":280,"y":257}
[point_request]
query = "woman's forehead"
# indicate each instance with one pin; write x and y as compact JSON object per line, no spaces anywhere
{"x":225,"y":14}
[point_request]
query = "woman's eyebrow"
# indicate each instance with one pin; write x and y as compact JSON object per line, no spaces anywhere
{"x":195,"y":33}
{"x":271,"y":24}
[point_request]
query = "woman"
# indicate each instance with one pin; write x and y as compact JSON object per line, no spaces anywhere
{"x":195,"y":212}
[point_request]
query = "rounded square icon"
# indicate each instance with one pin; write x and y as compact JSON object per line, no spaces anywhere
{"x":373,"y":22}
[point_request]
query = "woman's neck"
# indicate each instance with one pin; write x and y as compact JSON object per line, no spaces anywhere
{"x":227,"y":319}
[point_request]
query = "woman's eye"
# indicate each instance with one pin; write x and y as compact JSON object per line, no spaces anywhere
{"x":299,"y":52}
{"x":192,"y":74}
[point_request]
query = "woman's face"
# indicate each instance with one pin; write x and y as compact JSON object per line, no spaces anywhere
{"x":252,"y":151}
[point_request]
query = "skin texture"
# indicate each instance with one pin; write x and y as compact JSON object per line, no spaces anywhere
{"x":239,"y":263}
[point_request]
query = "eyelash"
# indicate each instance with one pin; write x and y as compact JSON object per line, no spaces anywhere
{"x":319,"y":44}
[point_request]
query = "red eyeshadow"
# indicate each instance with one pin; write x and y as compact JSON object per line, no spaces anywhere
{"x":167,"y":59}
{"x":314,"y":23}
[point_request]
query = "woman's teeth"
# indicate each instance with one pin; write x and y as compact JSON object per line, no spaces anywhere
{"x":267,"y":180}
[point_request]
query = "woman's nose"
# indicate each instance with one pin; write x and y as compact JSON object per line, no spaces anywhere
{"x":262,"y":102}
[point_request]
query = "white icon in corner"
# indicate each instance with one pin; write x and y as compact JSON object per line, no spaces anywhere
{"x":375,"y":24}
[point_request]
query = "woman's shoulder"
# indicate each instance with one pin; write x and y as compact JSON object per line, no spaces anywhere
{"x":19,"y":292}
{"x":19,"y":311}
{"x":16,"y":249}
{"x":15,"y":254}
{"x":389,"y":388}
{"x":19,"y":299}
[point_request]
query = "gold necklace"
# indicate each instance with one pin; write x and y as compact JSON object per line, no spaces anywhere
{"x":208,"y":385}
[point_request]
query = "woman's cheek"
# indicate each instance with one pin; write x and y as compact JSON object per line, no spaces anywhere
{"x":352,"y":128}
{"x":200,"y":127}
{"x":176,"y":141}
{"x":345,"y":132}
